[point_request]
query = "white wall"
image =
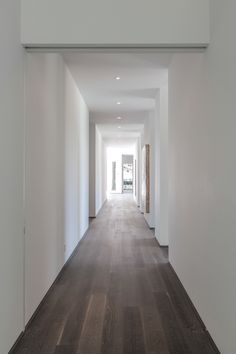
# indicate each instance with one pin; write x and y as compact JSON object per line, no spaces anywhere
{"x":71,"y":22}
{"x":149,"y":138}
{"x":44,"y":212}
{"x":11,"y":176}
{"x":92,"y":169}
{"x":202,"y":129}
{"x":56,"y":172}
{"x":97,"y":171}
{"x":77,"y":164}
{"x":139,"y":153}
{"x":101,"y":171}
{"x":161,"y":166}
{"x":137,"y":176}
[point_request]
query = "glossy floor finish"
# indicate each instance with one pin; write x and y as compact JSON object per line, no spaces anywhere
{"x":117,"y":295}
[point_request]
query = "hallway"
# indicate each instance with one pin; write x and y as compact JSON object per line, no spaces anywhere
{"x":117,"y":295}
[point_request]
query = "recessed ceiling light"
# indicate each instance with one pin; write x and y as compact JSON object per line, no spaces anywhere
{"x":119,"y":127}
{"x":118,"y":102}
{"x":117,"y":77}
{"x":119,"y":118}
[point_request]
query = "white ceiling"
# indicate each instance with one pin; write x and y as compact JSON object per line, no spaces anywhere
{"x":120,"y":135}
{"x":110,"y":117}
{"x":121,"y":131}
{"x":141,"y":75}
{"x":121,"y":143}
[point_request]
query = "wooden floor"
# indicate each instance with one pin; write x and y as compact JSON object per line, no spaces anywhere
{"x":117,"y":295}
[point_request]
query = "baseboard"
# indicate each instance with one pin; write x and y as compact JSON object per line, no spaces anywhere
{"x":49,"y":290}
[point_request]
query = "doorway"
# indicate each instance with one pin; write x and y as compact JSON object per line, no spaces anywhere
{"x":127,"y":174}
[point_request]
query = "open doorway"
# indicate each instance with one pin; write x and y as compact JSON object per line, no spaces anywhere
{"x":127,"y":173}
{"x":120,"y":169}
{"x":87,"y":113}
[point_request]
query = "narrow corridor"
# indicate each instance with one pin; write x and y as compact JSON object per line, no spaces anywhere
{"x":117,"y":295}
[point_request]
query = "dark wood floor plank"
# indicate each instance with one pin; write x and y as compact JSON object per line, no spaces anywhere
{"x":181,"y":305}
{"x":91,"y":336}
{"x":133,"y":331}
{"x":200,"y":342}
{"x":156,"y":282}
{"x":108,"y":329}
{"x":155,"y":339}
{"x":144,"y":289}
{"x":173,"y":332}
{"x":65,"y":349}
{"x":117,"y":295}
{"x":52,"y":337}
{"x":74,"y":323}
{"x":112,"y":336}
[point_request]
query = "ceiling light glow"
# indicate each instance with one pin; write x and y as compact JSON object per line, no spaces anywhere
{"x":117,"y":77}
{"x":118,"y":102}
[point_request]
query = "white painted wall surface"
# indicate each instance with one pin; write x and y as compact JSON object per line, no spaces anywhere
{"x":149,"y":138}
{"x":11,"y":176}
{"x":140,"y":171}
{"x":77,"y":164}
{"x":56,"y":172}
{"x":92,"y":167}
{"x":82,"y":115}
{"x":161,"y":166}
{"x":104,"y":22}
{"x":101,"y":171}
{"x":202,"y":129}
{"x":43,"y":259}
{"x":137,"y":177}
